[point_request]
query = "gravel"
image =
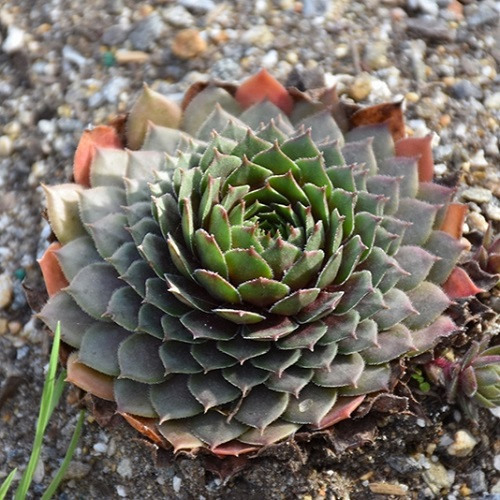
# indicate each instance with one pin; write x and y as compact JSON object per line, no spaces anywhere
{"x":66,"y":64}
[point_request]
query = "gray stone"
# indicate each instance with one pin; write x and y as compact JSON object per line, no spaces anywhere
{"x":477,"y":481}
{"x":226,"y":69}
{"x":479,"y":195}
{"x":402,"y":464}
{"x":314,"y":8}
{"x":112,"y":89}
{"x":114,"y":35}
{"x":464,"y":89}
{"x":429,"y":28}
{"x":73,"y":56}
{"x":486,"y":13}
{"x":178,"y":16}
{"x":198,"y":6}
{"x":124,"y":468}
{"x":76,"y":470}
{"x":146,"y":31}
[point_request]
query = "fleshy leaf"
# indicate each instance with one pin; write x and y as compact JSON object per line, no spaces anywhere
{"x":89,"y":380}
{"x":311,"y":406}
{"x":139,"y":359}
{"x":262,"y":407}
{"x":454,"y":219}
{"x":99,"y":348}
{"x":93,"y":287}
{"x":172,"y":399}
{"x":418,"y":147}
{"x":102,"y":136}
{"x":346,"y":371}
{"x":211,"y":389}
{"x":150,"y":107}
{"x":429,"y":301}
{"x":62,"y":208}
{"x":277,"y":431}
{"x":133,"y":397}
{"x":263,"y":86}
{"x":459,"y":285}
{"x":53,"y":275}
{"x":214,"y":428}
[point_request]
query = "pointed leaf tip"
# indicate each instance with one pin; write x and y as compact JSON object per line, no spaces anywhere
{"x":421,"y":147}
{"x":459,"y":285}
{"x":150,"y":107}
{"x":51,"y":270}
{"x":102,"y":136}
{"x":264,"y":86}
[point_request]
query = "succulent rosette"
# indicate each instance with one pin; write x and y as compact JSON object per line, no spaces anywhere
{"x":472,"y":380}
{"x":248,"y":265}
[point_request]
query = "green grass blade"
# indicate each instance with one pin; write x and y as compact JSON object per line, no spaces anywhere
{"x":43,"y":417}
{"x":58,"y":390}
{"x":67,"y":458}
{"x":6,"y":484}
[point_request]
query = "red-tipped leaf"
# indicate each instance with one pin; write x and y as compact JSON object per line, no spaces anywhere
{"x":421,"y":147}
{"x":459,"y":285}
{"x":263,"y":86}
{"x":102,"y":137}
{"x":51,"y":270}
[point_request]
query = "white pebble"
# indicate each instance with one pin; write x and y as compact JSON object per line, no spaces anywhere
{"x":14,"y":41}
{"x":39,"y":473}
{"x":463,"y":444}
{"x":496,"y":462}
{"x":122,"y":492}
{"x":6,"y":145}
{"x":124,"y":468}
{"x":176,"y":483}
{"x":100,"y":447}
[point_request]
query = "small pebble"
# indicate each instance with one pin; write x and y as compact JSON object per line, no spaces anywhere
{"x":360,"y":88}
{"x":477,"y":194}
{"x":493,"y":212}
{"x":39,"y":473}
{"x":464,"y":89}
{"x":464,"y":442}
{"x":492,"y":101}
{"x":477,"y":481}
{"x":114,"y":35}
{"x":14,"y":41}
{"x":477,"y":221}
{"x":124,"y":468}
{"x":100,"y":447}
{"x":478,"y":159}
{"x":496,"y":462}
{"x":6,"y":145}
{"x":199,"y":6}
{"x":438,"y":478}
{"x":487,"y":13}
{"x":176,"y":483}
{"x":178,"y":16}
{"x":146,"y":32}
{"x":388,"y":489}
{"x":122,"y":492}
{"x":6,"y":290}
{"x":76,"y":470}
{"x":188,"y":43}
{"x":123,"y":56}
